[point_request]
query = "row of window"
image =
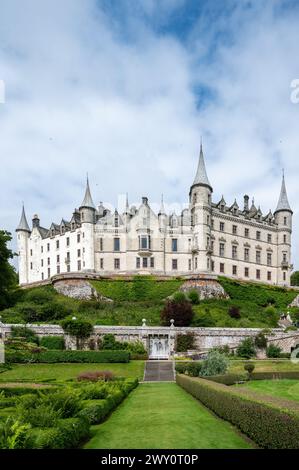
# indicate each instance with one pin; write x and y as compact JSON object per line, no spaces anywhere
{"x":68,"y":269}
{"x":67,"y":241}
{"x":247,"y":232}
{"x":246,"y":272}
{"x":234,"y":254}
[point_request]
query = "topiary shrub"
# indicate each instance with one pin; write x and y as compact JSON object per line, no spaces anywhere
{"x":234,"y":312}
{"x":180,"y":311}
{"x":193,"y":296}
{"x":260,"y":341}
{"x":273,"y":351}
{"x":246,"y":348}
{"x":52,"y":342}
{"x":185,"y":342}
{"x":249,"y":367}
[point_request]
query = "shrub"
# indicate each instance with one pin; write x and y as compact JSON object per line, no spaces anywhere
{"x":54,"y":311}
{"x":260,"y":341}
{"x":79,"y":328}
{"x":234,"y":312}
{"x":204,"y":319}
{"x":273,"y":351}
{"x":272,"y":316}
{"x":227,"y":379}
{"x":66,"y":402}
{"x":25,"y":333}
{"x":270,"y":425}
{"x":95,"y":411}
{"x":29,"y":311}
{"x":185,"y":342}
{"x":193,"y":369}
{"x":249,"y":367}
{"x":53,"y":356}
{"x":193,"y":296}
{"x":246,"y":348}
{"x":95,"y":376}
{"x":52,"y":342}
{"x":67,"y":434}
{"x":13,"y":434}
{"x":179,"y":297}
{"x":40,"y":295}
{"x":180,"y":311}
{"x":215,"y":364}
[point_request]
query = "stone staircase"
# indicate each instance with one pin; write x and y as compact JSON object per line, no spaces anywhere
{"x":159,"y":371}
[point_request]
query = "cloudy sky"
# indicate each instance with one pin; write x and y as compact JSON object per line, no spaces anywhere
{"x":123,"y":90}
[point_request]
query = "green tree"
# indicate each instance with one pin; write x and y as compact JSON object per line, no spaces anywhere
{"x":8,"y":276}
{"x":246,"y":348}
{"x":295,"y":278}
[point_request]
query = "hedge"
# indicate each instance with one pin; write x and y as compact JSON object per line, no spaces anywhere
{"x":228,"y":379}
{"x":266,"y":421}
{"x":18,"y":391}
{"x":52,"y":342}
{"x":53,"y":356}
{"x":292,"y":374}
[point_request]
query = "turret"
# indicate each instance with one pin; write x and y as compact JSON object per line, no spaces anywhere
{"x":23,"y":234}
{"x":201,"y":208}
{"x":162,"y":215}
{"x":283,"y":217}
{"x":87,"y":214}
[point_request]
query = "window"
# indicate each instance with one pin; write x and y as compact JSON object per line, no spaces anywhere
{"x":116,"y":263}
{"x":269,"y":259}
{"x":246,"y":272}
{"x":57,"y":244}
{"x":258,"y":256}
{"x":258,"y":273}
{"x":208,"y":263}
{"x":222,"y":267}
{"x":246,"y":232}
{"x":58,"y":269}
{"x":195,"y":262}
{"x":144,"y":262}
{"x":48,"y":246}
{"x":48,"y":261}
{"x":235,"y":229}
{"x":212,"y":223}
{"x":58,"y":259}
{"x":212,"y":266}
{"x":221,"y":249}
{"x":269,"y":276}
{"x":116,"y":221}
{"x":258,"y":235}
{"x":174,"y":264}
{"x":42,"y":263}
{"x":101,"y":244}
{"x":152,"y":261}
{"x":49,"y":272}
{"x":190,"y":264}
{"x":143,"y":243}
{"x":234,"y":270}
{"x":246,"y":254}
{"x":30,"y":252}
{"x":137,"y":263}
{"x":68,"y":268}
{"x":42,"y":249}
{"x":208,"y":219}
{"x":79,"y":265}
{"x":234,"y":252}
{"x":101,"y":263}
{"x":284,"y":239}
{"x":269,"y":238}
{"x":116,"y":244}
{"x":284,"y":276}
{"x":68,"y":241}
{"x":31,"y":266}
{"x":42,"y":276}
{"x":68,"y":258}
{"x":79,"y":253}
{"x":78,"y":238}
{"x":284,"y":257}
{"x":285,"y":221}
{"x":174,"y":244}
{"x":221,"y":226}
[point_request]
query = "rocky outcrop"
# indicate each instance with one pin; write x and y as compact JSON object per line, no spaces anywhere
{"x":76,"y":288}
{"x":206,"y":288}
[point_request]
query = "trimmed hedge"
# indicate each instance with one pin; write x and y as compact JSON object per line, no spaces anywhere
{"x":52,"y":342}
{"x":228,"y":379}
{"x":292,"y":374}
{"x":18,"y":391}
{"x":266,"y":421}
{"x":68,"y":356}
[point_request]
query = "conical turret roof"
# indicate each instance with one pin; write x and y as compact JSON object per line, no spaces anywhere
{"x":23,"y":224}
{"x":87,"y":201}
{"x":201,"y":177}
{"x":283,"y":202}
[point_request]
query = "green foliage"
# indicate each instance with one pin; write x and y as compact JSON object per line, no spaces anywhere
{"x":53,"y":356}
{"x":25,"y":333}
{"x":8,"y":277}
{"x":79,"y":328}
{"x":204,"y":319}
{"x":13,"y":434}
{"x":215,"y":364}
{"x":272,"y":428}
{"x":260,"y":341}
{"x":193,"y":296}
{"x":246,"y":348}
{"x":140,"y":288}
{"x":52,"y":342}
{"x":185,"y":342}
{"x":273,"y":351}
{"x":260,"y":294}
{"x":179,"y":311}
{"x":179,"y":297}
{"x":295,"y":278}
{"x":109,"y":342}
{"x":249,"y":367}
{"x":228,"y":379}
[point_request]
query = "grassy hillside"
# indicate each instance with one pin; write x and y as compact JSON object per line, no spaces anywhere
{"x":144,"y":298}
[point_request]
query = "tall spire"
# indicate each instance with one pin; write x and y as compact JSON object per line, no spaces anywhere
{"x":23,"y":225}
{"x":283,"y":202}
{"x":87,"y":201}
{"x":201,"y":176}
{"x":162,"y":209}
{"x":127,"y":203}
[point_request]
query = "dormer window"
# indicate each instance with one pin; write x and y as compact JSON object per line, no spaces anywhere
{"x":222,"y":206}
{"x":73,"y":225}
{"x":116,"y":221}
{"x":53,"y":233}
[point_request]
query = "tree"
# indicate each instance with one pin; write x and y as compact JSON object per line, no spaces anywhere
{"x":273,"y":351}
{"x":179,"y":310}
{"x":295,"y":278}
{"x":246,"y":348}
{"x":8,"y":276}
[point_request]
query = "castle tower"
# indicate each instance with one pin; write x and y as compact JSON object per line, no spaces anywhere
{"x":87,"y":216}
{"x":23,"y":234}
{"x":200,"y":196}
{"x":283,"y":217}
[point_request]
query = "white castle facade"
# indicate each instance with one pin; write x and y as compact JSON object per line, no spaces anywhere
{"x":206,"y":238}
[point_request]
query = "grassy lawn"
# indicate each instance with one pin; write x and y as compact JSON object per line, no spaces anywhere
{"x":162,"y":415}
{"x":284,"y":388}
{"x":61,"y":372}
{"x":266,"y":365}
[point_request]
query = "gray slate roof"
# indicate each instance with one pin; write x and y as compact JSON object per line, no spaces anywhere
{"x":87,"y":201}
{"x":23,"y":225}
{"x":283,"y":202}
{"x":201,"y":176}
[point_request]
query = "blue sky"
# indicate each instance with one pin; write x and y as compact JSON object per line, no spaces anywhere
{"x":124,"y":89}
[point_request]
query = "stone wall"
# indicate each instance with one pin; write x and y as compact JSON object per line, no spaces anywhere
{"x":207,"y":288}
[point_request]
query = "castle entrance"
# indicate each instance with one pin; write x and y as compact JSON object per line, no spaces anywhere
{"x":158,"y":347}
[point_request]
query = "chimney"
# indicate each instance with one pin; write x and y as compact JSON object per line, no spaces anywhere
{"x":246,"y":203}
{"x":35,"y":221}
{"x":145,"y":201}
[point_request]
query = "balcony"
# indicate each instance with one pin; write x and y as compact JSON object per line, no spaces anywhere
{"x":285,"y":265}
{"x":194,"y":248}
{"x":209,"y":249}
{"x":144,"y":252}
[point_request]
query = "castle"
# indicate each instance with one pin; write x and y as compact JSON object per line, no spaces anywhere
{"x":206,"y":238}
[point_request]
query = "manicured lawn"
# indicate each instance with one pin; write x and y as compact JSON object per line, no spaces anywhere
{"x":284,"y":388}
{"x":267,"y":365}
{"x":61,"y":372}
{"x":162,"y":415}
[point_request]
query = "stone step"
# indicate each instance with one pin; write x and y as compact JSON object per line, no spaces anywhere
{"x":159,"y":371}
